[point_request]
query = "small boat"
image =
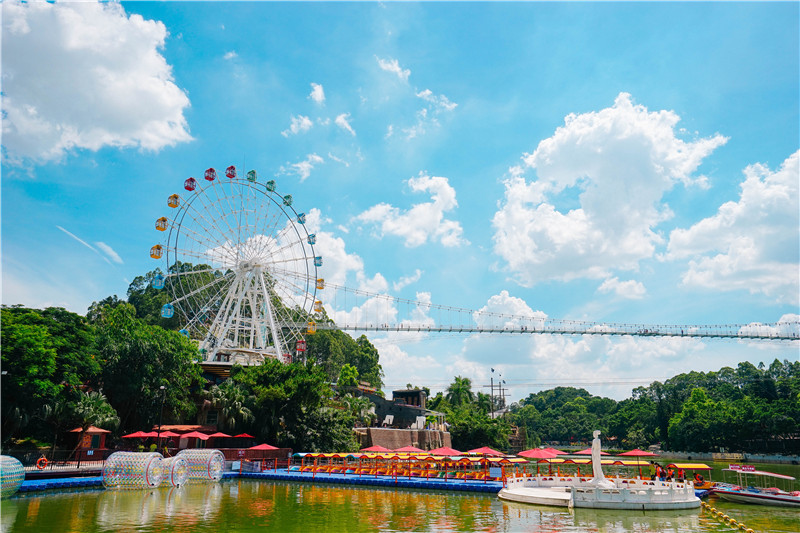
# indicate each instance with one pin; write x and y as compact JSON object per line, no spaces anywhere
{"x":698,"y":474}
{"x":752,"y":486}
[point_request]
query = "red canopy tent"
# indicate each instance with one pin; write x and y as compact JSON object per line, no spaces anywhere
{"x":485,"y":450}
{"x":243,"y":436}
{"x":410,"y":449}
{"x":220,"y":434}
{"x":588,"y":451}
{"x":263,"y":447}
{"x":445,"y":450}
{"x":136,"y":435}
{"x":375,"y":448}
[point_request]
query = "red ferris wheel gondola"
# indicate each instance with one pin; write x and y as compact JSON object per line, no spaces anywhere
{"x":190,"y":184}
{"x":230,"y":171}
{"x":211,"y":174}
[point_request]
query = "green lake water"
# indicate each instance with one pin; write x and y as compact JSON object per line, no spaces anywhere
{"x":253,"y":505}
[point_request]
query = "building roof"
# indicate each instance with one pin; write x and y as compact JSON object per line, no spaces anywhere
{"x":90,"y":431}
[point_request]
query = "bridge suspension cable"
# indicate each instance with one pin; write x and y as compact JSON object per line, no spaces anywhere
{"x":360,"y":310}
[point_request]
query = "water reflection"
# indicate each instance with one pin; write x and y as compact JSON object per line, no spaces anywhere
{"x":249,"y":505}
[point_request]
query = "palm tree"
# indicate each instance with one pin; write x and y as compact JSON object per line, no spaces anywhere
{"x":460,"y":391}
{"x":231,"y":401}
{"x":484,"y":402}
{"x":93,"y":409}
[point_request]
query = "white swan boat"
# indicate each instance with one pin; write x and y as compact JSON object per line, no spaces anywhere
{"x":598,"y":492}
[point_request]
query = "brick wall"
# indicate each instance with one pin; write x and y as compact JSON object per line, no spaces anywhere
{"x":398,"y":438}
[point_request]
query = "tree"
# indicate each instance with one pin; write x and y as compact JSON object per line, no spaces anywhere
{"x":92,"y":409}
{"x":348,"y":378}
{"x":137,"y":359}
{"x":460,"y":391}
{"x":231,"y":400}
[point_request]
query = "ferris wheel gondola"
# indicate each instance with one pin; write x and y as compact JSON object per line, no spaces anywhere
{"x":241,"y":269}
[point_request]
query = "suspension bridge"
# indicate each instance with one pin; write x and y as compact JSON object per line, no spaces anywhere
{"x":358,"y":310}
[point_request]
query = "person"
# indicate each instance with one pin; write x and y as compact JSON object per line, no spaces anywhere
{"x":681,"y":475}
{"x":698,"y":478}
{"x":653,"y":470}
{"x":670,"y":474}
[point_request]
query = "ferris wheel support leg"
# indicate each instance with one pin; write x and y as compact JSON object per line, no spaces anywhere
{"x":276,"y":334}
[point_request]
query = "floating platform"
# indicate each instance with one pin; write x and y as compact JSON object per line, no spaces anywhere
{"x":553,"y":496}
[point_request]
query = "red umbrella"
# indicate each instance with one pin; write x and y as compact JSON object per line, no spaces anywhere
{"x":168,"y":434}
{"x":537,"y":453}
{"x":263,"y":447}
{"x":195,"y":435}
{"x":243,"y":436}
{"x":485,"y":451}
{"x":409,"y":449}
{"x":588,"y":451}
{"x":445,"y":451}
{"x":148,"y":434}
{"x":137,"y":435}
{"x":556,"y":452}
{"x":375,"y":448}
{"x":220,"y":434}
{"x":636,"y":452}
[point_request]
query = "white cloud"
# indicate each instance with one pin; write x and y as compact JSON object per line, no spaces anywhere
{"x":424,"y":221}
{"x":752,"y":244}
{"x":114,"y":256}
{"x":631,"y":290}
{"x":300,"y":124}
{"x":337,"y":159}
{"x":343,"y":122}
{"x":303,"y":168}
{"x":405,"y":281}
{"x":440,"y":103}
{"x":106,"y":65}
{"x":230,"y":55}
{"x":618,"y":162}
{"x":317,"y":93}
{"x":393,"y":66}
{"x":389,"y":131}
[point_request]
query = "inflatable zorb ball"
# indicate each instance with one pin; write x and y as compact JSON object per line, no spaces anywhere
{"x":133,"y":470}
{"x":176,"y":471}
{"x":12,"y":474}
{"x":204,"y":465}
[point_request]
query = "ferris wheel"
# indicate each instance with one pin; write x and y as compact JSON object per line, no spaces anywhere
{"x":241,"y":271}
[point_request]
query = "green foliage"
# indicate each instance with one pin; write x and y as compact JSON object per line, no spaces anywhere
{"x":137,"y":359}
{"x":292,"y":406}
{"x":232,"y":401}
{"x":470,"y":428}
{"x":332,"y":349}
{"x":47,"y":356}
{"x":348,"y":377}
{"x":460,"y":392}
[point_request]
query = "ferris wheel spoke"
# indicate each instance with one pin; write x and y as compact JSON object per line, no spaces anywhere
{"x":198,"y":290}
{"x":204,"y":238}
{"x":211,"y":216}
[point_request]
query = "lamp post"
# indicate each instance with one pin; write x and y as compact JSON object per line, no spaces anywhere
{"x":163,"y":390}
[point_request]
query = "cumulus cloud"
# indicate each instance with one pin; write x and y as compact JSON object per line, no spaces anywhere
{"x":343,"y":121}
{"x":423,"y":222}
{"x":631,"y":290}
{"x":303,"y":168}
{"x":393,"y":66}
{"x":105,"y":64}
{"x":751,"y":244}
{"x":317,"y":93}
{"x":618,"y":162}
{"x":300,"y":124}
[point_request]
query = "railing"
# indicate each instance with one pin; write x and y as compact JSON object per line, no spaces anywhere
{"x":47,"y":461}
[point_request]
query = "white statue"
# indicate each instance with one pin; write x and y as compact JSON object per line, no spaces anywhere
{"x":597,"y":470}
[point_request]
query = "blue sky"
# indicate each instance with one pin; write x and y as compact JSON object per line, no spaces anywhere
{"x":616,"y":162}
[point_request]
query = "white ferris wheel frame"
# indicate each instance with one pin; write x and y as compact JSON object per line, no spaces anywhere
{"x":259,"y":253}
